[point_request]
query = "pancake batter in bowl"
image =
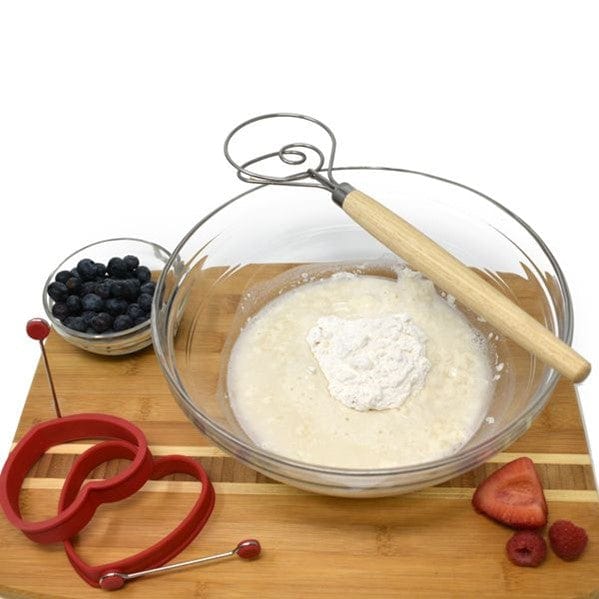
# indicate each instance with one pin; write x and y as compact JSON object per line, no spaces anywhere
{"x":316,"y":376}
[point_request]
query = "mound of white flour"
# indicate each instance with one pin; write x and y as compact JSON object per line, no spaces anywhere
{"x":370,"y":363}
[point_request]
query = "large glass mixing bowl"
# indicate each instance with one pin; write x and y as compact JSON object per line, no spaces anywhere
{"x":203,"y":298}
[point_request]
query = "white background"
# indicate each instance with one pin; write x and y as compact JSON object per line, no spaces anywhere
{"x":113,"y":114}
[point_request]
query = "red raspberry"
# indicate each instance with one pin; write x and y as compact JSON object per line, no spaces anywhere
{"x":527,"y":548}
{"x":568,"y":541}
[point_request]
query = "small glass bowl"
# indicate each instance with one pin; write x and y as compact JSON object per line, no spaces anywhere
{"x":118,"y":343}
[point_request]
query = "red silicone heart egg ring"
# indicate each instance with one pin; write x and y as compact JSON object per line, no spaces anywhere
{"x":79,"y":512}
{"x":165,"y":549}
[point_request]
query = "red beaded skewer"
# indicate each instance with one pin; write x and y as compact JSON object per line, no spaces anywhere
{"x":248,"y":549}
{"x":39,"y":329}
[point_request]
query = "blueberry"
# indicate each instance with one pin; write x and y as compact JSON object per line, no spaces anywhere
{"x":86,"y":269}
{"x":148,"y":288}
{"x":76,"y":323}
{"x":87,"y":316}
{"x":132,"y":262}
{"x":102,"y":322}
{"x":60,"y":310}
{"x":74,"y":285}
{"x":145,"y":302}
{"x":115,"y":306}
{"x":88,"y":287}
{"x":75,"y":273}
{"x":117,"y":268}
{"x":143,"y":274}
{"x":74,"y":304}
{"x":100,"y":270}
{"x":122,"y":322}
{"x":63,"y":276}
{"x":58,"y":291}
{"x":117,"y":288}
{"x":130,"y":289}
{"x":103,"y":289}
{"x":92,"y":302}
{"x":140,"y":320}
{"x":135,"y":312}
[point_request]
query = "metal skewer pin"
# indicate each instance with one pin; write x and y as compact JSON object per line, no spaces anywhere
{"x":248,"y":549}
{"x":39,"y":329}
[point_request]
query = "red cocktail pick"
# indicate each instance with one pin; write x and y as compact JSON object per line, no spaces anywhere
{"x":39,"y":329}
{"x":112,"y":581}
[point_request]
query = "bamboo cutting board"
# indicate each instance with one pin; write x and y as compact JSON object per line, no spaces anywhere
{"x":427,"y":544}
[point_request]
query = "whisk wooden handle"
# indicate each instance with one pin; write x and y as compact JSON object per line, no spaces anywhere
{"x":451,"y":275}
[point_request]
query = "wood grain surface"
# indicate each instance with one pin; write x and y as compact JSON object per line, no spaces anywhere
{"x":426,"y":544}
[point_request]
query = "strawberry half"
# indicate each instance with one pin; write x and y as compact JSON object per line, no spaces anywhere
{"x":513,"y":495}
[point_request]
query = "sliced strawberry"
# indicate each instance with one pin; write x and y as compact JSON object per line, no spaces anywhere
{"x":513,"y":495}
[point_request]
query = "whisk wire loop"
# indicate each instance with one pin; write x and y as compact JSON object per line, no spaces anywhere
{"x":293,"y":154}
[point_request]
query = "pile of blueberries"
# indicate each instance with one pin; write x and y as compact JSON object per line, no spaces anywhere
{"x":103,"y":298}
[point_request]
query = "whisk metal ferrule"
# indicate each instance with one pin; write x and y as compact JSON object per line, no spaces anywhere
{"x":340,"y":192}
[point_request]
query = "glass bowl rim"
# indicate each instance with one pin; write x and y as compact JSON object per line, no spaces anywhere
{"x":488,"y":447}
{"x":116,"y":335}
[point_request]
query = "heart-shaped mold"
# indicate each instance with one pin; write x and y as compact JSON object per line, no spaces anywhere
{"x":79,"y":511}
{"x":170,"y":545}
